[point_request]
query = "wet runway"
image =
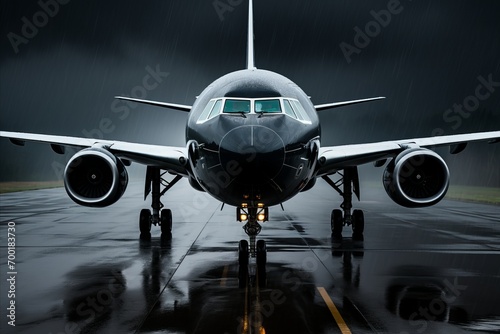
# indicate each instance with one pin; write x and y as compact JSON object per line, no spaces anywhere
{"x":84,"y":270}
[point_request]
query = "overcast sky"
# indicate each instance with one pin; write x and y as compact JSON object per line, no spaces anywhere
{"x":60,"y":68}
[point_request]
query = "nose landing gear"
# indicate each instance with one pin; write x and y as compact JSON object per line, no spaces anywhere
{"x":253,"y":249}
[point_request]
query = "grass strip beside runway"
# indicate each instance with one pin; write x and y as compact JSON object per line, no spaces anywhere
{"x":10,"y":187}
{"x":487,"y":195}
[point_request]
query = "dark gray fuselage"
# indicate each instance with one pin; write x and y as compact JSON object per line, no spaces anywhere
{"x":253,"y":159}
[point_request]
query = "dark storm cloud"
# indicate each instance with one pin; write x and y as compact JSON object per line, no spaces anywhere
{"x":425,"y":60}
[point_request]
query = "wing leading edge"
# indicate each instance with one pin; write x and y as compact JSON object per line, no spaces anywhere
{"x":334,"y":158}
{"x":320,"y":107}
{"x":175,"y":106}
{"x":173,"y":159}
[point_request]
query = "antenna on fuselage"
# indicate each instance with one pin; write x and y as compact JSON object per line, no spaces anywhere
{"x":250,"y":48}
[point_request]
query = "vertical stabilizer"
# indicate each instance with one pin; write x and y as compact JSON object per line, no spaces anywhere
{"x":250,"y":49}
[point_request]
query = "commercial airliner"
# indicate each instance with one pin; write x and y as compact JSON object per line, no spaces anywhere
{"x":253,"y":141}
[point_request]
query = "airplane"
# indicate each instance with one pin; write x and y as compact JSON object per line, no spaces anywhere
{"x":253,"y":141}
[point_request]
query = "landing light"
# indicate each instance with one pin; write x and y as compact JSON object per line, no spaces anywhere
{"x":241,"y":214}
{"x":262,"y":214}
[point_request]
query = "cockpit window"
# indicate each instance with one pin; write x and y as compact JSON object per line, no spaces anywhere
{"x":267,"y":106}
{"x":216,"y":109}
{"x":206,"y":111}
{"x":237,"y":106}
{"x":300,"y":111}
{"x":288,"y":109}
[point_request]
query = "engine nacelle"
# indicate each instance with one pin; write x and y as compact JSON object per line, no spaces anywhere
{"x":416,"y":178}
{"x":195,"y":184}
{"x":95,"y":177}
{"x":309,"y":185}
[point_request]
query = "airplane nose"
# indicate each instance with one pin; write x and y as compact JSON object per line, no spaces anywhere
{"x":252,"y":154}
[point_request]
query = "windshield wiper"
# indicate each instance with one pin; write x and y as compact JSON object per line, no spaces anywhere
{"x":241,"y":112}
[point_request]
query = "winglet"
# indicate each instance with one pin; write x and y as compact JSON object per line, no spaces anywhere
{"x":180,"y":107}
{"x":250,"y":47}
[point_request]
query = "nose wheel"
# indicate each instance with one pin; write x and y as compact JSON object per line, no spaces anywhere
{"x":244,"y":253}
{"x":253,"y":249}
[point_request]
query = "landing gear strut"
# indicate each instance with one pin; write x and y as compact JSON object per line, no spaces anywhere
{"x":162,"y":217}
{"x":350,"y":183}
{"x":254,"y":249}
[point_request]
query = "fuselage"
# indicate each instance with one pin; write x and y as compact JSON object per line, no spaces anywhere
{"x":253,"y":138}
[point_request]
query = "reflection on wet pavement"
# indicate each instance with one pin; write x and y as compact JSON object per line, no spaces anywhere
{"x":418,"y":271}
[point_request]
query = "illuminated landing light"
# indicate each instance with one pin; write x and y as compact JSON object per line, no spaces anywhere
{"x":263,"y":214}
{"x":242,"y":214}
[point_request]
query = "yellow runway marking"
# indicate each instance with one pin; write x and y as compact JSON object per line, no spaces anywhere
{"x":224,"y":276}
{"x":335,"y":312}
{"x":246,"y":326}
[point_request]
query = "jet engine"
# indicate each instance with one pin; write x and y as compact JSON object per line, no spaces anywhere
{"x":95,"y":177}
{"x":416,"y":178}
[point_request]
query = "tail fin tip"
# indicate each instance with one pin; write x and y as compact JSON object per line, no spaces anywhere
{"x":250,"y":45}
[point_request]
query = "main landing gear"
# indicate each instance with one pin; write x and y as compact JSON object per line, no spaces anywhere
{"x":340,"y":218}
{"x":254,"y":249}
{"x":162,"y":217}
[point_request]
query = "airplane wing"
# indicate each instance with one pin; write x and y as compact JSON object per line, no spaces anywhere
{"x":181,"y":107}
{"x":334,"y":158}
{"x":333,"y":105}
{"x":173,"y":159}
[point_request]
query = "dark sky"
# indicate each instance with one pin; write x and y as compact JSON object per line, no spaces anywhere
{"x":425,"y":58}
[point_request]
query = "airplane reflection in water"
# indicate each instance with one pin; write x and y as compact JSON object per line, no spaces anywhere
{"x":420,"y":295}
{"x":92,"y":294}
{"x":423,"y":298}
{"x":221,"y":300}
{"x":212,"y":298}
{"x":192,"y":284}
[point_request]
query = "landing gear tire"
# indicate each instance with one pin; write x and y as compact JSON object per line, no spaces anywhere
{"x":261,"y":253}
{"x":337,"y":223}
{"x":243,"y":253}
{"x":261,"y":250}
{"x":166,"y":222}
{"x":358,"y":225}
{"x":145,"y":224}
{"x":157,"y":186}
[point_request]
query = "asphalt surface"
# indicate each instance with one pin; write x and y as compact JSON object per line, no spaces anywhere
{"x":84,"y":270}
